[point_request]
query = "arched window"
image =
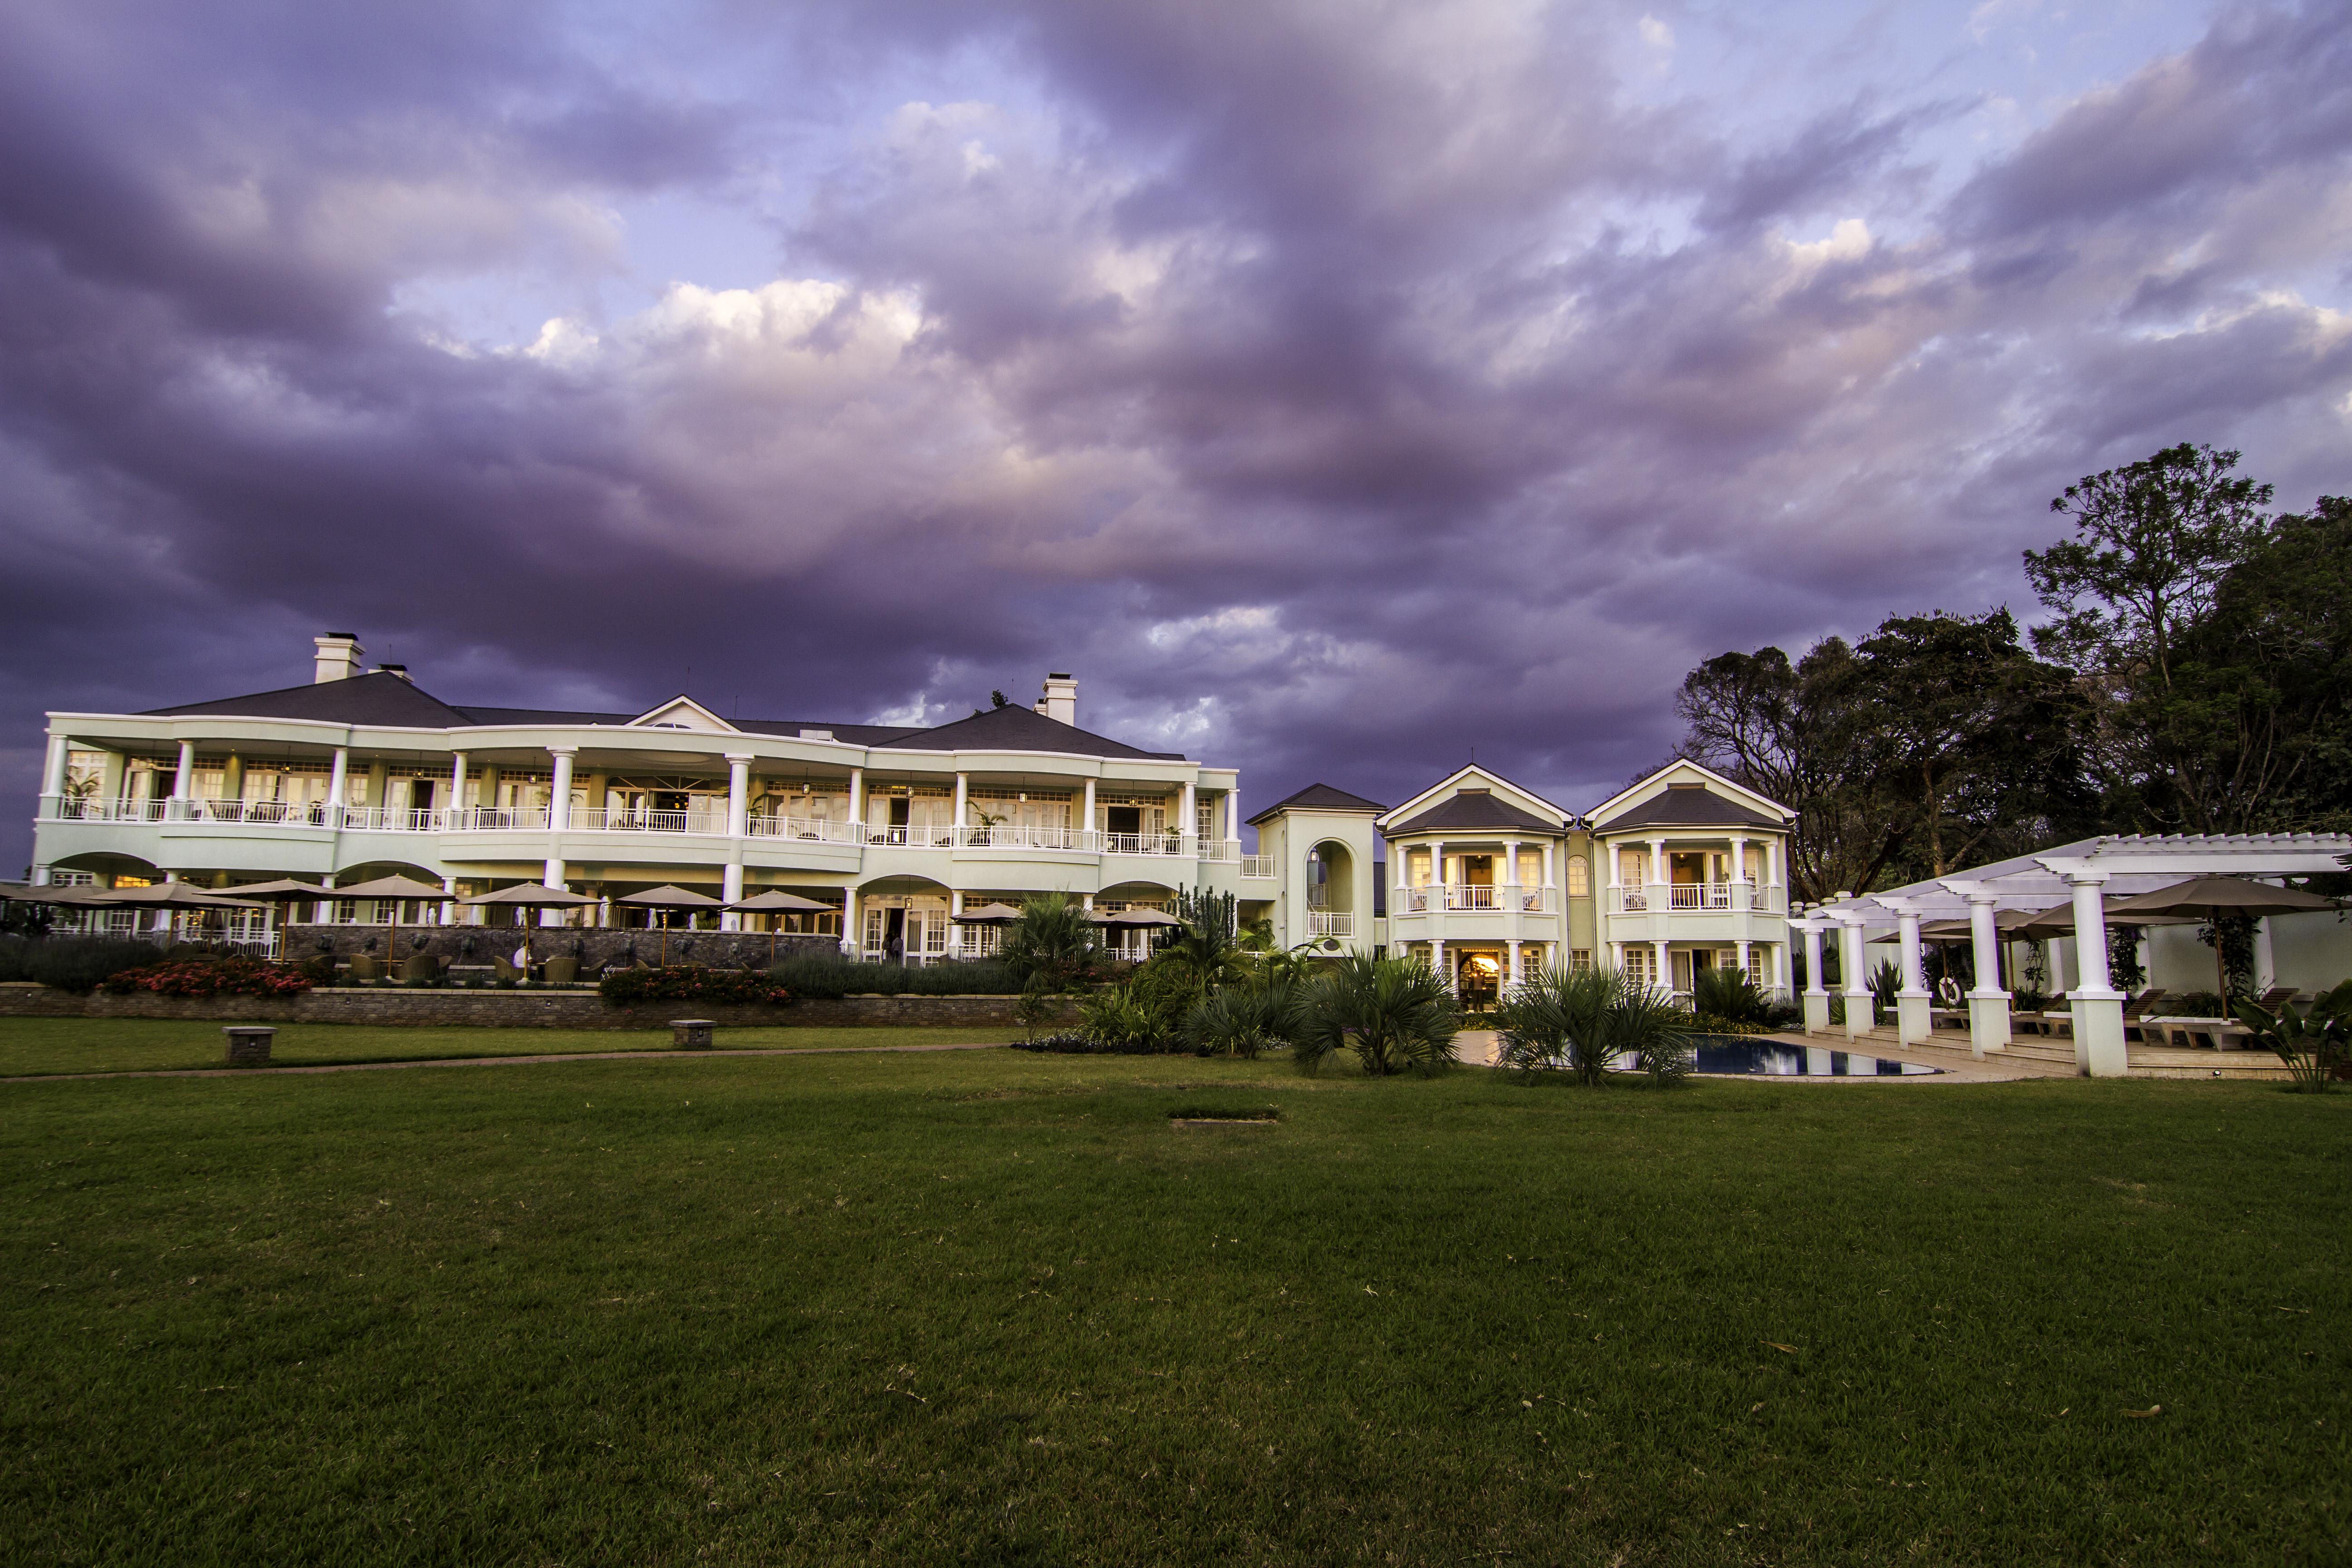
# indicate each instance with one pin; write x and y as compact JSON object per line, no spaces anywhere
{"x":1580,"y":878}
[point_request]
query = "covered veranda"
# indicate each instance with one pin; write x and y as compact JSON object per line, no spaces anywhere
{"x":2080,"y":879}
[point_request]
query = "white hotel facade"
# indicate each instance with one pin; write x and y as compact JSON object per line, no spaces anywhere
{"x":897,"y":830}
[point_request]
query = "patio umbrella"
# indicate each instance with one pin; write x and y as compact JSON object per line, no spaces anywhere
{"x":165,"y":895}
{"x":531,"y":896}
{"x":988,"y":915}
{"x":668,"y":897}
{"x":395,"y":889}
{"x":63,"y":897}
{"x":2212,"y":898}
{"x":775,"y":901}
{"x":2007,"y":924}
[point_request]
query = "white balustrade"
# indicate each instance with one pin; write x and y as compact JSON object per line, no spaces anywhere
{"x":1467,"y":898}
{"x":391,"y":819}
{"x":807,"y":829}
{"x":1257,"y":867}
{"x":1330,"y":923}
{"x":69,"y":810}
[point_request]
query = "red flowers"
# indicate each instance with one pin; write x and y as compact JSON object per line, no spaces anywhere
{"x":229,"y":976}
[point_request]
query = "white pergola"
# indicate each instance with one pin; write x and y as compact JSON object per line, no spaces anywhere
{"x":2083,"y":874}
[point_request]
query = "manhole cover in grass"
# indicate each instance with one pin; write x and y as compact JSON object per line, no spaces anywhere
{"x":1193,"y":1118}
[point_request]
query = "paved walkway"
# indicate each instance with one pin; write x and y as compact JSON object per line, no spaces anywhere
{"x":655,"y":1055}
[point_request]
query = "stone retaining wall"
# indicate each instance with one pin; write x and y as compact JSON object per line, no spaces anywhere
{"x":521,"y":1008}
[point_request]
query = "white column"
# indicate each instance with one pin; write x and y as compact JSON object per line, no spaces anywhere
{"x":558,"y":791}
{"x":857,"y":811}
{"x":962,"y":798}
{"x":1515,"y":962}
{"x":1087,"y":826}
{"x":335,"y":779}
{"x":1850,"y":960}
{"x":1510,"y":877}
{"x":2265,"y":957}
{"x":552,"y":876}
{"x":853,"y":941}
{"x":184,"y":781}
{"x":1988,"y":1027}
{"x":731,"y":885}
{"x":1817,"y":993}
{"x":1191,"y":827}
{"x":448,"y":901}
{"x":955,"y":908}
{"x":1663,"y":958}
{"x":457,"y":786}
{"x":1742,"y":895}
{"x":1913,"y":1022}
{"x":53,"y":776}
{"x":1549,"y":882}
{"x":2097,"y":1007}
{"x":1233,"y":814}
{"x":1437,"y":876}
{"x":1437,"y":960}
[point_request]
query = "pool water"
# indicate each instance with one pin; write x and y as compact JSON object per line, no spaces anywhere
{"x":1770,"y":1058}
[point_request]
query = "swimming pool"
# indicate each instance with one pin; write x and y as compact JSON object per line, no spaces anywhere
{"x":1770,"y":1058}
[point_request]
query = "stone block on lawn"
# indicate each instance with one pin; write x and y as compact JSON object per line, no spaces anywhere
{"x":248,"y":1045}
{"x":690,"y":1034}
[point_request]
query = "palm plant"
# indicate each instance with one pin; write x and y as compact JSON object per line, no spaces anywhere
{"x":1588,"y":1021}
{"x":2313,"y":1045}
{"x":1392,"y":1013}
{"x":1051,"y":947}
{"x":1730,"y":994}
{"x":1884,"y":981}
{"x":1244,"y":1019}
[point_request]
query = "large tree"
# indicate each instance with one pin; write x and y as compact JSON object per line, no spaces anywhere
{"x":2154,"y":542}
{"x":1935,"y":741}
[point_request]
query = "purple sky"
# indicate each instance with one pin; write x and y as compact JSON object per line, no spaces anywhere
{"x":1334,"y":388}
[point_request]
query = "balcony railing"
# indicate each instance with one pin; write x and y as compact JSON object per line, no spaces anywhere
{"x":1700,"y":898}
{"x":1255,"y":865}
{"x":1330,"y":923}
{"x":592,"y":819}
{"x":1476,"y":898}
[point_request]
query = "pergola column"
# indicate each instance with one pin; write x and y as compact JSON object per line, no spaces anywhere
{"x":1988,"y":1026}
{"x":1817,"y":991}
{"x":2098,"y":1008}
{"x":1914,"y":1022}
{"x":1851,"y":960}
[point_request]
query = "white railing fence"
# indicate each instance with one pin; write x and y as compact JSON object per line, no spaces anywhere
{"x":1258,"y":865}
{"x":1476,"y":898}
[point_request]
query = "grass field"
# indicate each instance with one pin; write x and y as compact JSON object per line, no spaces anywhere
{"x":987,"y":1307}
{"x":136,"y":1045}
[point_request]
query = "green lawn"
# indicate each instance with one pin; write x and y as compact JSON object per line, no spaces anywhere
{"x":988,"y":1306}
{"x":130,"y":1045}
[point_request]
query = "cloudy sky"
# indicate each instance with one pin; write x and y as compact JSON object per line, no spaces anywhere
{"x":1335,"y":387}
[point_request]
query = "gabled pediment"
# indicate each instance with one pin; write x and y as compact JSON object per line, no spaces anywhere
{"x":1682,"y":772}
{"x":1470,"y":779}
{"x":683,"y":712}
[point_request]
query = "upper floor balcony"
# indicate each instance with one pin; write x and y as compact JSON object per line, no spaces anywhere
{"x":1698,"y":897}
{"x":711,"y":821}
{"x":1476,"y":897}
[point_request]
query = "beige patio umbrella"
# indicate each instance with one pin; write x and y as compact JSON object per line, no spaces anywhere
{"x":394,"y":887}
{"x":670,"y":897}
{"x":166,"y":896}
{"x":775,"y":901}
{"x":531,"y":896}
{"x":2210,"y":898}
{"x":997,"y":914}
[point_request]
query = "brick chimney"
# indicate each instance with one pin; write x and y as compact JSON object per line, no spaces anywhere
{"x":1060,"y":698}
{"x":339,"y":656}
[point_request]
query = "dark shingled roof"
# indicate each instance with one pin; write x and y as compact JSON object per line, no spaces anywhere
{"x":1696,"y":807}
{"x":387,"y":699}
{"x":373,"y":698}
{"x":1013,"y":729}
{"x":1319,"y":797}
{"x":1475,"y":809}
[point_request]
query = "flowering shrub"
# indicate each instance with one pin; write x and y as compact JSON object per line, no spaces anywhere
{"x":688,"y":983}
{"x":228,"y":976}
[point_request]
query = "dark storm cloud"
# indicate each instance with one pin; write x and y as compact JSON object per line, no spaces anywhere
{"x":1337,"y":391}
